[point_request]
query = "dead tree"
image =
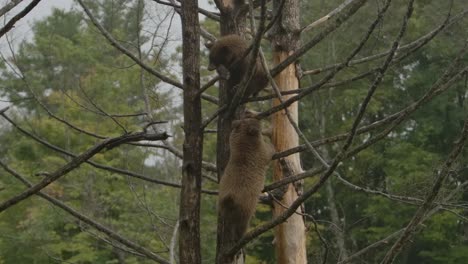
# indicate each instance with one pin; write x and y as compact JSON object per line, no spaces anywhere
{"x":290,"y":239}
{"x":189,"y":214}
{"x":232,"y":21}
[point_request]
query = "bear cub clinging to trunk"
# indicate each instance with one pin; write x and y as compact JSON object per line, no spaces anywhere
{"x":243,"y":178}
{"x":225,"y":54}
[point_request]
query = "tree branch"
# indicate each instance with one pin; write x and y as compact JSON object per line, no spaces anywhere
{"x":105,"y":167}
{"x":413,"y":46}
{"x":328,"y":16}
{"x":129,"y":54}
{"x":283,"y":217}
{"x":387,"y":239}
{"x":110,"y":233}
{"x":293,"y":99}
{"x":78,"y":160}
{"x":17,"y":17}
{"x":9,"y":6}
{"x":347,"y":13}
{"x":428,"y":204}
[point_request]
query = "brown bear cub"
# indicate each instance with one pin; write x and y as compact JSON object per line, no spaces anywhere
{"x":226,"y":57}
{"x":243,"y":179}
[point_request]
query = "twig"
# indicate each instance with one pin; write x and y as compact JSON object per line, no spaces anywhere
{"x":298,"y":202}
{"x":412,"y":45}
{"x":18,"y":16}
{"x":438,"y":87}
{"x":441,"y":175}
{"x":314,"y":41}
{"x":208,"y":166}
{"x":410,"y":109}
{"x":77,"y":161}
{"x":383,"y":241}
{"x":213,"y":117}
{"x":9,"y":6}
{"x":202,"y":11}
{"x":327,"y":17}
{"x":242,"y":86}
{"x":305,"y":92}
{"x":391,"y":236}
{"x":86,"y":219}
{"x":208,"y":84}
{"x":129,"y":54}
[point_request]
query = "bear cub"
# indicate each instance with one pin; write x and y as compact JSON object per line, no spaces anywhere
{"x":224,"y":57}
{"x":243,"y":178}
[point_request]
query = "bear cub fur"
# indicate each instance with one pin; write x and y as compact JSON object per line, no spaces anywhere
{"x":225,"y":54}
{"x":243,"y":178}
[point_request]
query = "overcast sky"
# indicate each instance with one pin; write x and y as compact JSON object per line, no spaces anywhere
{"x":22,"y":30}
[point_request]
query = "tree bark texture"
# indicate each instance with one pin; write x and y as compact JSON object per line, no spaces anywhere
{"x":290,"y":238}
{"x":189,"y":211}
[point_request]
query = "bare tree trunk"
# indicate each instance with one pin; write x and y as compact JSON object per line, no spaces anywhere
{"x":232,"y":22}
{"x":189,"y":211}
{"x":290,"y":236}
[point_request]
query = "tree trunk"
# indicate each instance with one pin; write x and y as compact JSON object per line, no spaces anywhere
{"x":189,"y":211}
{"x":290,"y":236}
{"x":232,"y":22}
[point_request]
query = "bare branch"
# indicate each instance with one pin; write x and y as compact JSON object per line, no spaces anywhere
{"x":428,"y":204}
{"x":293,"y":99}
{"x":439,"y":87}
{"x":129,"y":54}
{"x":412,"y":46}
{"x":242,"y":86}
{"x":173,"y":243}
{"x":345,"y":15}
{"x":213,"y":117}
{"x":86,"y":219}
{"x":202,"y":11}
{"x":99,"y":108}
{"x":51,"y":114}
{"x":328,"y":16}
{"x":17,"y":17}
{"x":209,"y":84}
{"x":383,"y":241}
{"x":207,"y":35}
{"x":78,"y":160}
{"x":9,"y":6}
{"x":387,"y":239}
{"x":283,"y":217}
{"x":209,"y":166}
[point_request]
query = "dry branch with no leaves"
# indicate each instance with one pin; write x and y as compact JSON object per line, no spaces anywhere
{"x":78,"y":160}
{"x":110,"y":233}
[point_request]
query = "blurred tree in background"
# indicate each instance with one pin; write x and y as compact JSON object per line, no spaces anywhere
{"x":70,"y":87}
